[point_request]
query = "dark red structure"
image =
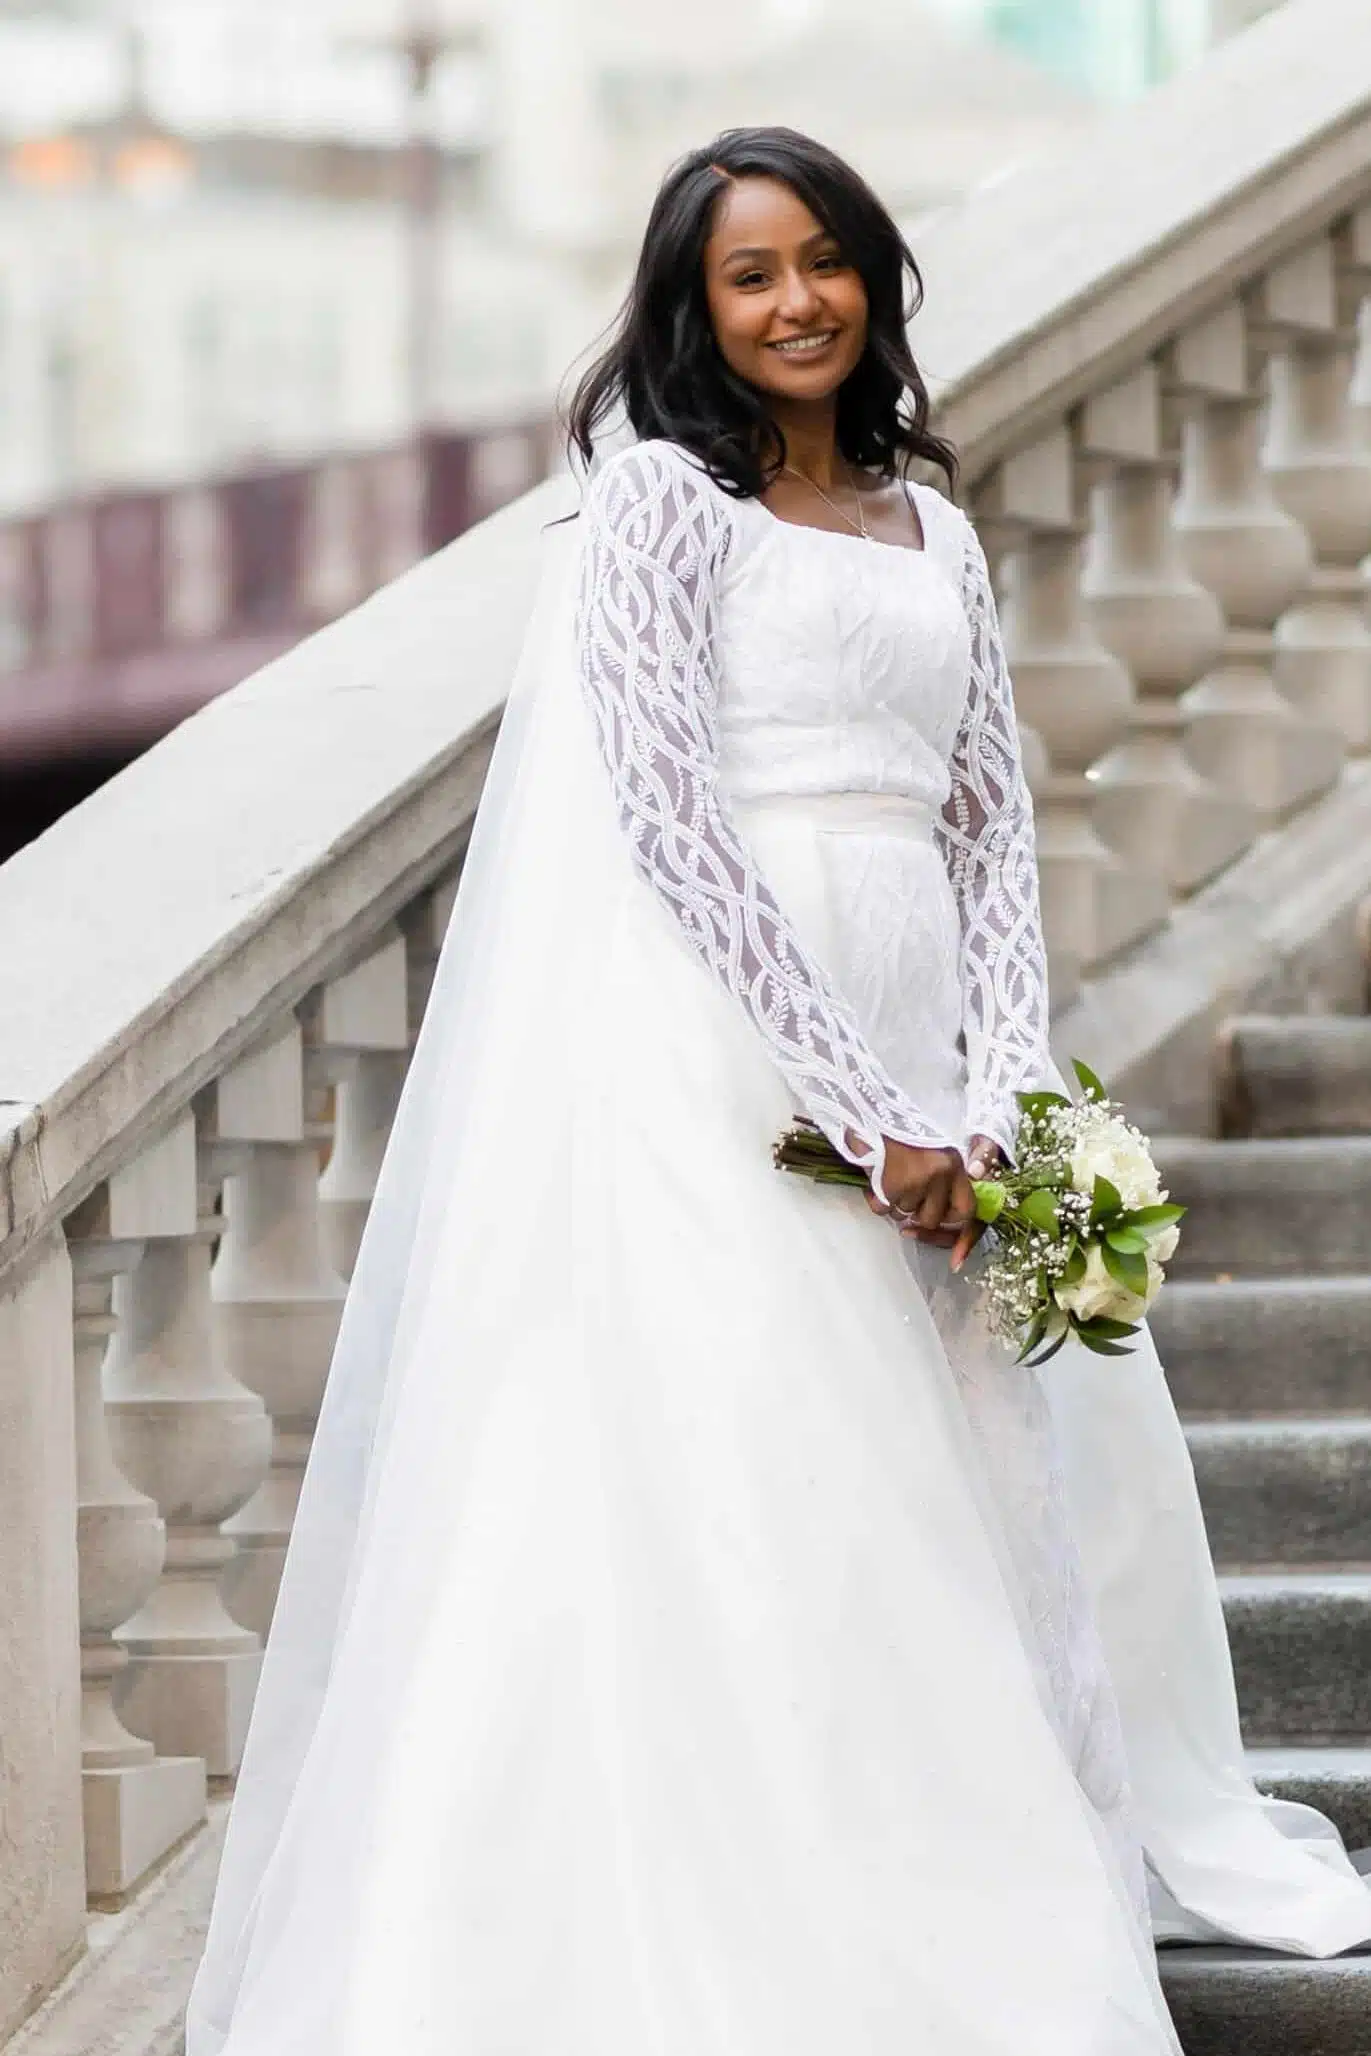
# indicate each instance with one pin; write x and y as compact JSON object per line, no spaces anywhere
{"x":122,"y":613}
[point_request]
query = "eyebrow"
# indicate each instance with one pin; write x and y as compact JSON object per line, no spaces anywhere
{"x":822,"y":235}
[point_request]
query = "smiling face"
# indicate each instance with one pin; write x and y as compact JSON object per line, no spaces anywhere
{"x":789,"y":312}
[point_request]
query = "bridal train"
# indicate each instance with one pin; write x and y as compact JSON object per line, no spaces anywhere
{"x":697,"y":1636}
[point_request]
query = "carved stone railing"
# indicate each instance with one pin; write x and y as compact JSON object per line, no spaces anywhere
{"x":213,"y":973}
{"x":1154,"y":359}
{"x":1150,"y":355}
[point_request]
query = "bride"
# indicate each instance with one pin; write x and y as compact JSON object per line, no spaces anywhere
{"x":698,"y":1637}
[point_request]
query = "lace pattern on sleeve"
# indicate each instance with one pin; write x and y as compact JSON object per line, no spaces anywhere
{"x":657,"y":535}
{"x":987,"y":836}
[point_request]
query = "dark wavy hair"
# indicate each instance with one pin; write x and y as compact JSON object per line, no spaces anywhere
{"x":661,"y":365}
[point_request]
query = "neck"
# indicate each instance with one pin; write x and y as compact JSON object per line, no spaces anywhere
{"x":811,"y":441}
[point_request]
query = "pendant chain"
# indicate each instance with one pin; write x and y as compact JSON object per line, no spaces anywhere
{"x":860,"y":523}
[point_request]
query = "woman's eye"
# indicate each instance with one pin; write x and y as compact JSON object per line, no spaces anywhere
{"x":750,"y":278}
{"x":831,"y":262}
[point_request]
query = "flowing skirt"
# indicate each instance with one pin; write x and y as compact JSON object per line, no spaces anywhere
{"x":683,"y":1650}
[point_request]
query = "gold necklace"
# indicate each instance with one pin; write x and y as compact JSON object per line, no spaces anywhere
{"x":860,"y":523}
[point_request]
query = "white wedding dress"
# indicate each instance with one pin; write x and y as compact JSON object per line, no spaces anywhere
{"x":698,"y":1638}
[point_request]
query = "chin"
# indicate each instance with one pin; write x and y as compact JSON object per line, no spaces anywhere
{"x":814,"y":388}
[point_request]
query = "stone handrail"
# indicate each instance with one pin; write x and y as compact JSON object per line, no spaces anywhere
{"x":1149,"y":352}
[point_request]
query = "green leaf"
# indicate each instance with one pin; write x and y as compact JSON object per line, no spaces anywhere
{"x":1105,"y":1203}
{"x":1127,"y":1270}
{"x":1037,"y":1328}
{"x":1127,"y":1240}
{"x":990,"y":1199}
{"x":1150,"y":1220}
{"x":1048,"y":1322}
{"x":1098,"y":1345}
{"x":1075,"y":1267}
{"x":1046,"y":1355}
{"x":1036,"y":1103}
{"x":1090,"y":1084}
{"x":1041,"y":1209}
{"x":1110,"y":1329}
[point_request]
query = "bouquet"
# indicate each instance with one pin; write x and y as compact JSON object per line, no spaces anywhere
{"x":1082,"y":1227}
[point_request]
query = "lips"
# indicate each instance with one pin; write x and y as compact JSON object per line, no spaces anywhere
{"x":805,"y":346}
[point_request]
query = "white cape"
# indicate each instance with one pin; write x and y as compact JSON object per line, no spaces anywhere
{"x":590,"y":1722}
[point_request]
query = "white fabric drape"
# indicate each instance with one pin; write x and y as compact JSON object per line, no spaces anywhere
{"x":591,"y":1722}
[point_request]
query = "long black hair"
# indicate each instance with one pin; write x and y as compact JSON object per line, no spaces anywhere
{"x":663,"y":369}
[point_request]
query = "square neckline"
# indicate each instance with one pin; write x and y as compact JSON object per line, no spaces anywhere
{"x":919,"y":549}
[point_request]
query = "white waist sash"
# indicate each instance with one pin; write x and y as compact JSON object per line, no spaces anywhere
{"x":850,"y":813}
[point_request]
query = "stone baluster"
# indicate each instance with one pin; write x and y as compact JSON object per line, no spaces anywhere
{"x":1151,"y":804}
{"x":42,"y":1868}
{"x":136,"y":1804}
{"x":1078,"y":698}
{"x":183,"y":1430}
{"x":277,"y":1300}
{"x":1320,"y":467}
{"x":1360,"y":390}
{"x":360,"y":1033}
{"x":1241,"y":733}
{"x":425,"y":924}
{"x":1360,"y":398}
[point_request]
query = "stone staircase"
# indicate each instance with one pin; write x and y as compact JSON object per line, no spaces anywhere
{"x":1266,"y":1332}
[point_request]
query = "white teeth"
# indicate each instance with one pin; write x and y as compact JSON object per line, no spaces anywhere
{"x":799,"y":343}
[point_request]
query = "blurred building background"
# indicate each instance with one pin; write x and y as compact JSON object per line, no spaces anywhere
{"x":286,"y":292}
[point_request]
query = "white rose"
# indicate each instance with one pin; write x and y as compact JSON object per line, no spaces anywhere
{"x":1099,"y":1296}
{"x":1106,"y":1149}
{"x":1164,"y":1245}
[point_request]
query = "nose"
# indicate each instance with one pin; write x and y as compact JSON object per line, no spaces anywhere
{"x":799,"y":302}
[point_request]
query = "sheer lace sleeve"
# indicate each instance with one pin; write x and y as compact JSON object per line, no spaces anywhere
{"x":987,"y":837}
{"x":657,"y":536}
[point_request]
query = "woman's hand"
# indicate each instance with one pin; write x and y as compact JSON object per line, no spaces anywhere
{"x":929,"y":1193}
{"x":985,"y":1159}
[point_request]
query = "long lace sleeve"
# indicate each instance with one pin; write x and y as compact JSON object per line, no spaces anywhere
{"x":657,"y":536}
{"x":986,"y":833}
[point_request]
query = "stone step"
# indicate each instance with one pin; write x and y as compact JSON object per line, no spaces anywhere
{"x":1301,"y":1643}
{"x":1296,"y":1074}
{"x":1270,"y":1208}
{"x":1286,"y":1492}
{"x":1267,"y":1345}
{"x":1335,"y":1781}
{"x":1245,"y":2002}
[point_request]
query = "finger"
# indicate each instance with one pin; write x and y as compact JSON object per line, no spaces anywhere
{"x":936,"y":1238}
{"x":963,"y":1198}
{"x":932,"y":1208}
{"x":874,"y":1203}
{"x":966,"y":1242}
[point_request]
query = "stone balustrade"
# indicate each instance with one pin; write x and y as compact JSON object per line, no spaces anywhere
{"x":203,"y":1042}
{"x":1157,"y":363}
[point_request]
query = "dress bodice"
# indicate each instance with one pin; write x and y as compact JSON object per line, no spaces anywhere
{"x":727,"y":656}
{"x":842,"y":663}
